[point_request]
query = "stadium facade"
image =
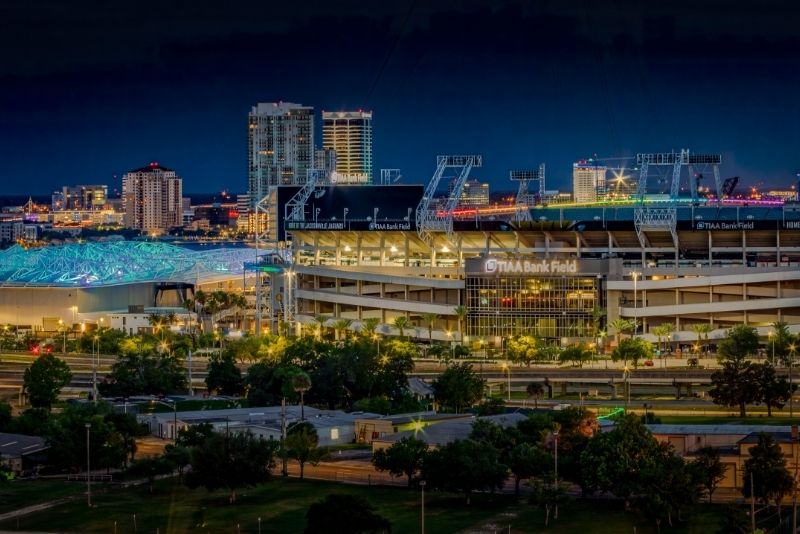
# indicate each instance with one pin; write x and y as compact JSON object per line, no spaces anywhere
{"x":719,"y":264}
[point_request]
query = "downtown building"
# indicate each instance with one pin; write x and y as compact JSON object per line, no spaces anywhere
{"x":588,"y":182}
{"x":349,"y":135}
{"x":152,"y":197}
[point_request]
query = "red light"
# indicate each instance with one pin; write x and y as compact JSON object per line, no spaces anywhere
{"x":35,"y":349}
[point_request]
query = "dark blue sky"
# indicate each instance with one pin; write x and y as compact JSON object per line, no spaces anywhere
{"x":91,"y":89}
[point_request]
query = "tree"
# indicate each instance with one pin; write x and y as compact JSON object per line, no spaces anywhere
{"x":43,"y":380}
{"x":224,"y":377}
{"x":369,"y":326}
{"x":701,"y":330}
{"x":301,"y":383}
{"x":458,"y":387}
{"x":535,"y":390}
{"x":767,"y":466}
{"x":740,"y":343}
{"x":5,"y":415}
{"x":321,"y":321}
{"x":633,"y":349}
{"x":774,"y":391}
{"x":302,"y":444}
{"x":736,"y":384}
{"x":430,"y":319}
{"x":548,"y":496}
{"x":613,"y":461}
{"x":522,"y":349}
{"x":404,"y":457}
{"x":150,"y":468}
{"x":464,"y":466}
{"x":526,"y":461}
{"x":664,"y":333}
{"x":621,"y":326}
{"x":340,"y":327}
{"x":144,"y":372}
{"x":401,"y":322}
{"x":779,"y":342}
{"x":734,"y":520}
{"x":576,"y":354}
{"x":345,"y":514}
{"x":667,"y":484}
{"x":709,"y":469}
{"x":231,"y":461}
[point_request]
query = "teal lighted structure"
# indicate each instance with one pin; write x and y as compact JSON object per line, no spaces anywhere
{"x":118,"y":262}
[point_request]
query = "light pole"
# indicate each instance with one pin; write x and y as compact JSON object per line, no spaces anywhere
{"x":452,"y":343}
{"x":88,"y":469}
{"x":422,"y":519}
{"x":627,"y":392}
{"x":64,"y":331}
{"x":95,"y":362}
{"x":771,"y":335}
{"x":791,"y":385}
{"x":377,"y":339}
{"x":555,"y":467}
{"x":635,"y":275}
{"x":507,"y":369}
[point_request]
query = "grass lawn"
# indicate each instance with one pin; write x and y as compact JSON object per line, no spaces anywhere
{"x":723,"y":420}
{"x":607,"y":517}
{"x":17,"y":494}
{"x":281,"y":504}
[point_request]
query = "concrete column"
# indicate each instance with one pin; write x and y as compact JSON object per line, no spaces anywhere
{"x":338,"y":251}
{"x":710,"y":246}
{"x":381,"y":244}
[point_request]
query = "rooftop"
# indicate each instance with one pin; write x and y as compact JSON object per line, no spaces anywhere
{"x":119,"y":262}
{"x":16,"y":445}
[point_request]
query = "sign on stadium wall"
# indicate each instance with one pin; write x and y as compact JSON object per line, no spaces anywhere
{"x":534,"y":266}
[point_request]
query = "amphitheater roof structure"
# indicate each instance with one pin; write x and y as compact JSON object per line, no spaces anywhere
{"x":97,"y":264}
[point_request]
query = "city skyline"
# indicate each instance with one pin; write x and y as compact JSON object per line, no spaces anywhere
{"x":518,"y":84}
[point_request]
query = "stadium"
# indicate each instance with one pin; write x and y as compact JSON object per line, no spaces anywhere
{"x":553,"y":271}
{"x":562,"y":272}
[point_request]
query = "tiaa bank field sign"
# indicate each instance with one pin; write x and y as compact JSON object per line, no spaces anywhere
{"x":493,"y":265}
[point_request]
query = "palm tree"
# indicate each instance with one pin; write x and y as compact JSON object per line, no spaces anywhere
{"x":341,"y":326}
{"x":321,"y":320}
{"x":461,"y":313}
{"x":535,"y":390}
{"x":702,"y":330}
{"x":301,"y":383}
{"x":369,"y":326}
{"x":664,"y":331}
{"x":621,"y":326}
{"x":401,"y":322}
{"x":430,"y":318}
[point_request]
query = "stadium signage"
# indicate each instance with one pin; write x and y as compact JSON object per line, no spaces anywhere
{"x":531,"y":267}
{"x":315,"y":225}
{"x":725,"y":225}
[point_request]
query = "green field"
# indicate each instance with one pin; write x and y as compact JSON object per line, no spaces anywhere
{"x":282,"y":505}
{"x":15,"y":495}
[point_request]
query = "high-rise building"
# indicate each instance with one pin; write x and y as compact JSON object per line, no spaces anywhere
{"x":152,"y":197}
{"x":83,"y":197}
{"x":349,"y":134}
{"x":280,"y":140}
{"x":588,"y":180}
{"x":473,"y":194}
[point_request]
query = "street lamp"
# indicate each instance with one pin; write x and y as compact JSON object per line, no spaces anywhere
{"x":377,"y":339}
{"x":791,"y":385}
{"x":507,"y":369}
{"x":635,"y":275}
{"x":422,"y":519}
{"x":627,"y":392}
{"x":64,"y":331}
{"x":88,"y":469}
{"x":555,"y":467}
{"x":452,"y":343}
{"x":770,"y":335}
{"x":95,"y":362}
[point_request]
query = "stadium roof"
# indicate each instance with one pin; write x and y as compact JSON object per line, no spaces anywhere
{"x":118,"y":262}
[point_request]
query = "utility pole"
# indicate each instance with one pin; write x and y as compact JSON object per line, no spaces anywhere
{"x":88,"y":469}
{"x":284,"y":460}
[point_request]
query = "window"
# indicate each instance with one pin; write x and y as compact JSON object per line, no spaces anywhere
{"x":334,"y":433}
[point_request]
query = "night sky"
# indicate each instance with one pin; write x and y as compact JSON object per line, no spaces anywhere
{"x":89,"y":89}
